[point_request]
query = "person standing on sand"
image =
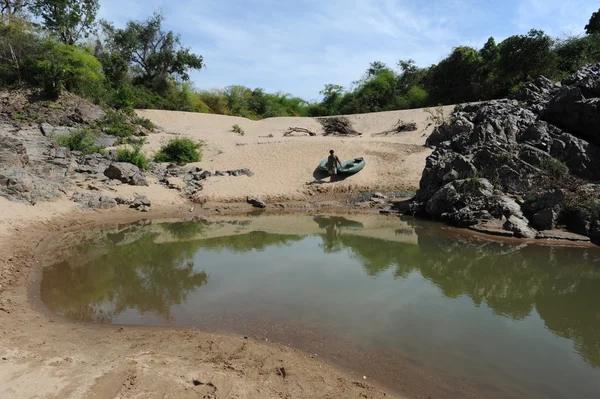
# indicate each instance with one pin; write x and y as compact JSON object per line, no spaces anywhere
{"x":332,"y":166}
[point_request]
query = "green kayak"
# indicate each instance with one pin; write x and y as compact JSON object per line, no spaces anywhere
{"x":348,"y":168}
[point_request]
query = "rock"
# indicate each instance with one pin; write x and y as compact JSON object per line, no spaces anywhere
{"x":379,"y":196}
{"x":520,"y":227}
{"x":175,"y":183}
{"x":220,"y":173}
{"x":46,"y":129}
{"x":18,"y":184}
{"x":257,"y":203}
{"x":561,"y":235}
{"x":94,"y":201}
{"x":206,"y":174}
{"x":123,"y":201}
{"x":126,"y":173}
{"x":141,"y":203}
{"x":12,"y":152}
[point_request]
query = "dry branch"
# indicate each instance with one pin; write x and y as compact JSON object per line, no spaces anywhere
{"x":292,"y":130}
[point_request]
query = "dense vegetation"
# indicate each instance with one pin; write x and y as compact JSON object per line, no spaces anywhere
{"x":47,"y":44}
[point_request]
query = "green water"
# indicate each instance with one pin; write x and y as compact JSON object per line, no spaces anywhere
{"x":519,"y":320}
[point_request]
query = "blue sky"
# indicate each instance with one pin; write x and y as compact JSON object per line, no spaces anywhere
{"x":299,"y":46}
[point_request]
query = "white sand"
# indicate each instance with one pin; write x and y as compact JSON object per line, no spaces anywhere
{"x":284,"y":165}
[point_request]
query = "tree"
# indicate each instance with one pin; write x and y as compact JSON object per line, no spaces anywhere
{"x":593,"y":25}
{"x":490,"y":51}
{"x":10,"y":8}
{"x":526,"y":56}
{"x":456,"y":78}
{"x":70,"y":20}
{"x":154,"y":55}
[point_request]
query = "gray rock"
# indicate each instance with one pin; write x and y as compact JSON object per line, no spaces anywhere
{"x":12,"y":152}
{"x":378,"y":195}
{"x":18,"y":184}
{"x":256,"y":202}
{"x":94,"y":201}
{"x":206,"y":174}
{"x":140,"y":201}
{"x":220,"y":173}
{"x":126,"y":173}
{"x":520,"y":227}
{"x":545,"y":219}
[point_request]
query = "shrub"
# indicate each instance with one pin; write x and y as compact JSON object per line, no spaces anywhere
{"x":181,"y":151}
{"x":554,"y":167}
{"x":133,"y":155}
{"x":115,"y":124}
{"x":143,"y":122}
{"x":237,"y":129}
{"x":83,"y":140}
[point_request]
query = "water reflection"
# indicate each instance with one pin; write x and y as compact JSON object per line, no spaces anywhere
{"x":136,"y":270}
{"x":141,"y":275}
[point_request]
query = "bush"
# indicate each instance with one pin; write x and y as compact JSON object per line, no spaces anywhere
{"x":60,"y":66}
{"x":143,"y":122}
{"x":181,"y":151}
{"x":115,"y":124}
{"x":134,"y":156}
{"x":83,"y":140}
{"x":554,"y":167}
{"x":237,"y":129}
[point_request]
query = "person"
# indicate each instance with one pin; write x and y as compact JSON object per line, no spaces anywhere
{"x":332,"y":165}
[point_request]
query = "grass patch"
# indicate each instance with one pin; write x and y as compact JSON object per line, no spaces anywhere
{"x":115,"y":124}
{"x":180,"y":151}
{"x":83,"y":140}
{"x":134,"y":156}
{"x":143,"y":122}
{"x":554,"y":167}
{"x":19,"y":117}
{"x":237,"y":129}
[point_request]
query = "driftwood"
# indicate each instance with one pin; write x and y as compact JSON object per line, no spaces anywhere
{"x":292,"y":130}
{"x":399,"y":127}
{"x":338,"y":126}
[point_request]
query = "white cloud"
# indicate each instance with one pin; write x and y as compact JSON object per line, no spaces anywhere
{"x":299,"y":46}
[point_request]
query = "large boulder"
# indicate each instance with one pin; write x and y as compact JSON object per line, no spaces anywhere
{"x":126,"y":173}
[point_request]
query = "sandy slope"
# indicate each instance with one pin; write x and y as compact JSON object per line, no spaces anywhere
{"x":284,"y":165}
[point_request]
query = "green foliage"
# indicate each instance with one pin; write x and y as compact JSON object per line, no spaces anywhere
{"x":153,"y":54}
{"x":237,"y":129}
{"x":593,"y":25}
{"x":436,"y":115}
{"x":554,"y":167}
{"x":526,"y":56}
{"x":83,"y":140}
{"x":143,"y":122}
{"x":180,"y":151}
{"x":116,"y":124}
{"x":69,"y":20}
{"x":575,"y":52}
{"x":455,"y":79}
{"x":134,"y":156}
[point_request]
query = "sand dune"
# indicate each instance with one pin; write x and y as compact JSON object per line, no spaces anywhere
{"x":284,"y":165}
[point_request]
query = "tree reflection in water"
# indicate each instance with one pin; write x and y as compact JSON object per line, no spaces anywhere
{"x":562,"y":284}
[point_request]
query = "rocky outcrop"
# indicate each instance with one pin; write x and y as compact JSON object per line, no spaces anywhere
{"x":12,"y":152}
{"x":126,"y":173}
{"x":521,"y":164}
{"x":94,"y":201}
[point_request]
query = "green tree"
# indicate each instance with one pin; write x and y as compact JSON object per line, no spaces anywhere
{"x":593,"y":25}
{"x":575,"y":52}
{"x":456,"y":78}
{"x":70,"y":20}
{"x":526,"y":56}
{"x":154,"y":55}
